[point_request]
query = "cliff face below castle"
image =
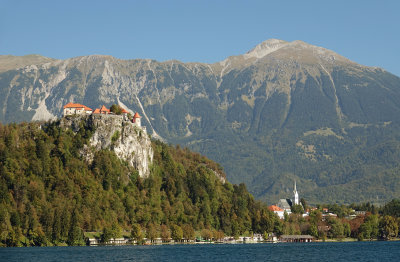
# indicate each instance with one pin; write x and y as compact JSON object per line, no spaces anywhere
{"x":129,"y":142}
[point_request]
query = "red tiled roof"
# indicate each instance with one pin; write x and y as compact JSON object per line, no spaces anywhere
{"x":73,"y":105}
{"x":96,"y":111}
{"x":104,"y":109}
{"x":136,"y":115}
{"x":275,"y":208}
{"x":124,"y":111}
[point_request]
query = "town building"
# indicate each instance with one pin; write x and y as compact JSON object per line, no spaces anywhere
{"x":277,"y":210}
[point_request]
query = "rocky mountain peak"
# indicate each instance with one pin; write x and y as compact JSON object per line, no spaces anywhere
{"x":8,"y":62}
{"x":303,"y":52}
{"x":265,"y":48}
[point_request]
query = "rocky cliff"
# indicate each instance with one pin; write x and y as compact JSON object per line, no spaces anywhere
{"x":129,"y":142}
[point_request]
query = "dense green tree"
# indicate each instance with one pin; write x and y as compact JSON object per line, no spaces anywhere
{"x":337,"y":229}
{"x":107,"y":234}
{"x":177,"y":233}
{"x":388,"y":227}
{"x":315,"y":216}
{"x":313,"y":230}
{"x":303,"y":202}
{"x":297,"y":209}
{"x":137,"y":233}
{"x":116,"y":109}
{"x":392,"y":208}
{"x":75,"y":236}
{"x":370,"y":228}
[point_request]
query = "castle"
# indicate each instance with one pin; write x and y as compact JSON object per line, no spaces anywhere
{"x":78,"y":109}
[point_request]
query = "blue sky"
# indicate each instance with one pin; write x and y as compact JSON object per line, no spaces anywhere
{"x":365,"y":31}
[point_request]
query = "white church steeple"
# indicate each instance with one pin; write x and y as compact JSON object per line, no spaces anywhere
{"x":295,"y":195}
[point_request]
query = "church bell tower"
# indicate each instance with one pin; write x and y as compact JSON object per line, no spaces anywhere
{"x":295,"y":195}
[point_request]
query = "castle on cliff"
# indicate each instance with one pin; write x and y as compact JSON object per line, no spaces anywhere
{"x":78,"y":109}
{"x":120,"y":132}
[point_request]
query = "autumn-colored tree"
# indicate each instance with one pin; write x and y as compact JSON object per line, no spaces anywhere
{"x":188,"y":232}
{"x":206,"y":234}
{"x":165,"y":233}
{"x":177,"y":233}
{"x":219,"y":235}
{"x":151,"y":232}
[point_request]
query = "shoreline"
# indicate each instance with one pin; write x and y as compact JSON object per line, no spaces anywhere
{"x":347,"y":240}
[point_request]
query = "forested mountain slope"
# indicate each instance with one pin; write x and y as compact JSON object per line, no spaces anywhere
{"x":50,"y":195}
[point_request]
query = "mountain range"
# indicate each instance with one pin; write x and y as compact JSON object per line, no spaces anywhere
{"x":282,"y":112}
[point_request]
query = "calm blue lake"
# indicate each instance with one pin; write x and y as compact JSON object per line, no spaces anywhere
{"x":350,"y":251}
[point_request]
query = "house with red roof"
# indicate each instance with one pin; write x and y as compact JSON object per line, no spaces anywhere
{"x":76,"y":109}
{"x":277,"y":210}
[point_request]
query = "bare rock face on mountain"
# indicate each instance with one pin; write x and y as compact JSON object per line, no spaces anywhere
{"x":283,"y":111}
{"x":114,"y":132}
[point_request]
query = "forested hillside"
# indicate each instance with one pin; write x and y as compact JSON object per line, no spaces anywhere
{"x":49,"y":195}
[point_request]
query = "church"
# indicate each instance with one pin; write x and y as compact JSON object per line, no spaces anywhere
{"x":285,"y":205}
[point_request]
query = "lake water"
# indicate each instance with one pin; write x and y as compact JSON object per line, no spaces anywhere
{"x":330,"y":251}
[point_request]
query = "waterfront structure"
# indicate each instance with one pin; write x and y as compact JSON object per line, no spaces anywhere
{"x":112,"y":241}
{"x":296,"y":238}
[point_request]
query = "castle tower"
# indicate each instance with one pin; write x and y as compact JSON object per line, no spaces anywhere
{"x":136,"y":119}
{"x":295,"y":195}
